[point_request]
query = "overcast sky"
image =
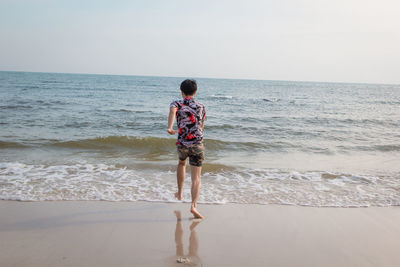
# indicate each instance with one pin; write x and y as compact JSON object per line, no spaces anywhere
{"x":307,"y":40}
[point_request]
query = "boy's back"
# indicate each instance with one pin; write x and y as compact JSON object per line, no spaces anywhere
{"x":190,"y":117}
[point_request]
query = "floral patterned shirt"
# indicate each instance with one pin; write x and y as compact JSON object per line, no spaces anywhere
{"x":190,"y":116}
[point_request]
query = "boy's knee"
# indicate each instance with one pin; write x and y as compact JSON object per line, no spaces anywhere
{"x":182,"y":163}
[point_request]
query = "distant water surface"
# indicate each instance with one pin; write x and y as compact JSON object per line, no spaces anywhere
{"x":103,"y":137}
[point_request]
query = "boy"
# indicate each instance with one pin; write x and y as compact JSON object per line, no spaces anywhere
{"x":190,"y":117}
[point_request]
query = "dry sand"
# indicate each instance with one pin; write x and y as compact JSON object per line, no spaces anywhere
{"x":102,"y":233}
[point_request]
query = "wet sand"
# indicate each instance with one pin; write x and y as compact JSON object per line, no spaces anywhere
{"x":98,"y":233}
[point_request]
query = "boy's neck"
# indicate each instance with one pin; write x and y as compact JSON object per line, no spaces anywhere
{"x":187,"y":96}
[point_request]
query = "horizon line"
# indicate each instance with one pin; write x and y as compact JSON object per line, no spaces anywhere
{"x":198,"y":77}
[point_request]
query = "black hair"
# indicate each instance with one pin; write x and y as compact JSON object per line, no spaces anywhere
{"x":189,"y":87}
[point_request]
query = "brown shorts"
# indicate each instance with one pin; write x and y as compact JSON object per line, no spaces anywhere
{"x":194,"y":152}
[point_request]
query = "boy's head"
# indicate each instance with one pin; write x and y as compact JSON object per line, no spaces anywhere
{"x":189,"y":87}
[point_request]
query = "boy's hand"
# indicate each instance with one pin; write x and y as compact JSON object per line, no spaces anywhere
{"x":172,"y":131}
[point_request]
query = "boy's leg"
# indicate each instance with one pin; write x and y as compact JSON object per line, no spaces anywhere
{"x":180,"y":178}
{"x":196,"y":185}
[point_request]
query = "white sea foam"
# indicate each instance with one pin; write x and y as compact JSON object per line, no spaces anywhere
{"x":222,"y":96}
{"x":19,"y":181}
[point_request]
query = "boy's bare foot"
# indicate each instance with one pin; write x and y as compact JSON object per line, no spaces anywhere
{"x":178,"y":196}
{"x":195,"y":213}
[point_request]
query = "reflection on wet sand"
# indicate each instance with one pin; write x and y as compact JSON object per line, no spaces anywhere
{"x":192,"y":258}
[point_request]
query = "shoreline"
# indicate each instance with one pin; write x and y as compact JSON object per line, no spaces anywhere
{"x":103,"y":233}
{"x":188,"y":201}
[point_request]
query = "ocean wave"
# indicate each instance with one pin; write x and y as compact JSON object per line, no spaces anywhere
{"x":273,"y":99}
{"x":158,"y":143}
{"x":147,"y":143}
{"x":350,"y":121}
{"x":132,"y":111}
{"x":27,"y":182}
{"x":372,"y":148}
{"x":386,"y":148}
{"x":27,"y":86}
{"x":166,"y":146}
{"x":221,"y":97}
{"x":127,"y":142}
{"x":386,"y":102}
{"x":50,"y":103}
{"x":52,"y":81}
{"x":16,"y":107}
{"x":4,"y":144}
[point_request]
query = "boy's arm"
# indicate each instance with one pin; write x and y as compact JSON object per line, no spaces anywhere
{"x":171,"y":120}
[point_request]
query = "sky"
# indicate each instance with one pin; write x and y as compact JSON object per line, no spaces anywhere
{"x":298,"y":40}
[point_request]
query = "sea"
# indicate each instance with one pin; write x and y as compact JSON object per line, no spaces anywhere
{"x":104,"y":137}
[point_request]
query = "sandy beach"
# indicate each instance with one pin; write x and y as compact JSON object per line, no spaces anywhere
{"x":102,"y":233}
